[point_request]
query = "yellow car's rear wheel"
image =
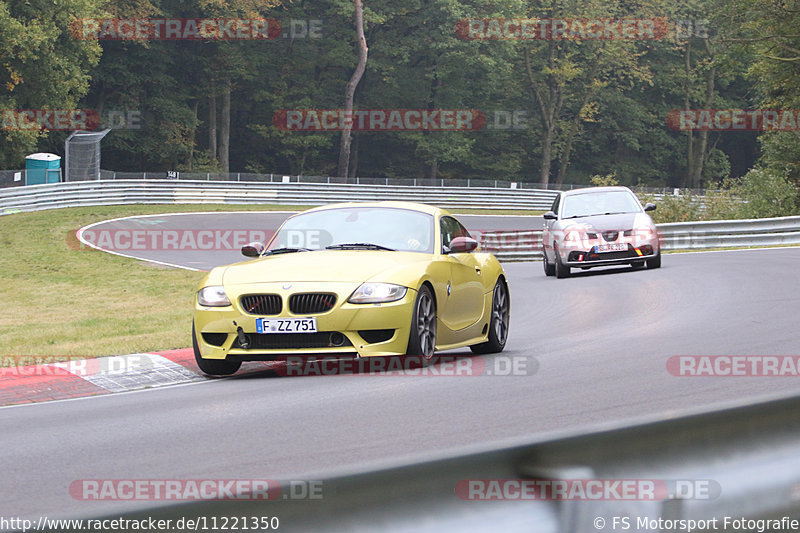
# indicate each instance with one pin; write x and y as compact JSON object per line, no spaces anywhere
{"x":213,"y":367}
{"x":498,"y":324}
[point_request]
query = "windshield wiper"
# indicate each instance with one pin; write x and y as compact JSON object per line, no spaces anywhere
{"x":598,"y":214}
{"x":277,"y":251}
{"x":358,"y":246}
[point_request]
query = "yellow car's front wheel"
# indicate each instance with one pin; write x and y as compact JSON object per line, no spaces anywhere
{"x":213,"y":367}
{"x":422,"y":339}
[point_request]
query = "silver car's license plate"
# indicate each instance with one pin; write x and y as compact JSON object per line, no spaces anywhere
{"x":286,"y":325}
{"x":616,"y":247}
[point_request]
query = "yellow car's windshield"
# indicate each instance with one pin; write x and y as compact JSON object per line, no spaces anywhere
{"x":380,"y":228}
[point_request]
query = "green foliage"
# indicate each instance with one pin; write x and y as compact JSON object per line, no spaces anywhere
{"x":609,"y":98}
{"x":761,"y":193}
{"x":608,"y":180}
{"x":41,"y":65}
{"x":766,"y":193}
{"x":684,"y":207}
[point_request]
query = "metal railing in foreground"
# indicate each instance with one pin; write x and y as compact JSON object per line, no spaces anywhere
{"x":716,"y":468}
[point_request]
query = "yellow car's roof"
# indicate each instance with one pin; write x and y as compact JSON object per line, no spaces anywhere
{"x":413,"y":206}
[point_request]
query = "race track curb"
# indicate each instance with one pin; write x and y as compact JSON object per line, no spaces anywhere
{"x":47,"y":380}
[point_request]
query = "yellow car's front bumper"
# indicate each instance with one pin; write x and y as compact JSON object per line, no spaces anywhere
{"x":365,"y":329}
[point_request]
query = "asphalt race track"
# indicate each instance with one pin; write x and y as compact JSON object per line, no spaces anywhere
{"x":246,"y":224}
{"x":594,"y":347}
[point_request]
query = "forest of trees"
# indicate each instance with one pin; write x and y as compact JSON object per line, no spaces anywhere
{"x":557,"y":110}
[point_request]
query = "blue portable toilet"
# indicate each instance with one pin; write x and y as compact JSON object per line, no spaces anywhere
{"x":42,"y":168}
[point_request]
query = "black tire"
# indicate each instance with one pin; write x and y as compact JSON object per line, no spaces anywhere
{"x":549,"y":270}
{"x":498,"y":324}
{"x":655,"y":262}
{"x":213,"y":367}
{"x":422,"y":337}
{"x":562,"y":270}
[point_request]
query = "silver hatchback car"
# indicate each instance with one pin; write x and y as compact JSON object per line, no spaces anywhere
{"x":598,"y":226}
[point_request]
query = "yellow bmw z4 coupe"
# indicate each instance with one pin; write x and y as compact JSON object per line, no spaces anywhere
{"x":353,"y":280}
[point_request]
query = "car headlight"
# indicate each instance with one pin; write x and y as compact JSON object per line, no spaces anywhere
{"x":643,"y":233}
{"x":572,"y":238}
{"x":213,"y":296}
{"x":373,"y":293}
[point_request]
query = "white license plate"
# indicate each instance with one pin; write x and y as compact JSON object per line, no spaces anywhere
{"x":286,"y":325}
{"x":616,"y":247}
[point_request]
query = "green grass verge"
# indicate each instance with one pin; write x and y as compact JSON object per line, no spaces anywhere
{"x":62,"y":300}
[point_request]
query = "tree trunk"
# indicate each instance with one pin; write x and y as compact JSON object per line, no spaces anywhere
{"x":350,"y":90}
{"x":212,"y":126}
{"x":225,"y":129}
{"x":354,"y":152}
{"x":698,"y":150}
{"x":548,"y":109}
{"x":432,"y":169}
{"x":194,"y":132}
{"x":563,"y":162}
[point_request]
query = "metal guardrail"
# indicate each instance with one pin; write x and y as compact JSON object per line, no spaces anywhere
{"x":745,"y":457}
{"x":527,"y":245}
{"x":249,"y":177}
{"x":508,"y":246}
{"x":103,"y":192}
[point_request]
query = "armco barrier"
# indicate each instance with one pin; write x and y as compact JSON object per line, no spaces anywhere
{"x":116,"y":192}
{"x":739,"y":463}
{"x":508,"y":246}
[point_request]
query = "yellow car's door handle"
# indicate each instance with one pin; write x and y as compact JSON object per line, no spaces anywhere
{"x":478,"y":270}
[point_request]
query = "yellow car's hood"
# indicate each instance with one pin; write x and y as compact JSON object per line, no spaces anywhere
{"x":323,"y":265}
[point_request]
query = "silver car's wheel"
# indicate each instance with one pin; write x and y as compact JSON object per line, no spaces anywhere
{"x":549,"y":270}
{"x":655,"y":262}
{"x":498,"y":324}
{"x":422,"y":339}
{"x":562,"y":270}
